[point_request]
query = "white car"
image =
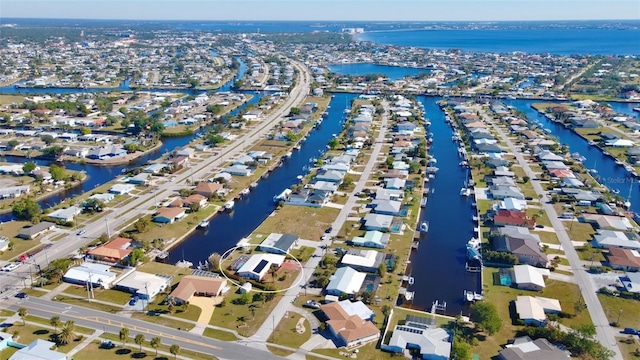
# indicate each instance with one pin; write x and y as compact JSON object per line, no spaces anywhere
{"x":11,"y":266}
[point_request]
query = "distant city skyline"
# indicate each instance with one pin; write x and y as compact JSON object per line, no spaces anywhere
{"x":327,"y":10}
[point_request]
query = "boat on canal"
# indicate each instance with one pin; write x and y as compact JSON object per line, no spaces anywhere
{"x":423,"y":202}
{"x":282,"y":196}
{"x":465,"y":191}
{"x":203,"y":224}
{"x":424,"y":227}
{"x":229,"y":205}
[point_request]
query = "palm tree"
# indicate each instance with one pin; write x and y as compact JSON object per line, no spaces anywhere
{"x":55,"y":322}
{"x":22,"y":312}
{"x":139,"y":340}
{"x":155,"y":343}
{"x":252,"y":309}
{"x":174,"y":350}
{"x":124,"y":335}
{"x":67,"y":332}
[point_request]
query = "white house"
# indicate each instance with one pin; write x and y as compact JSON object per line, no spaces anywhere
{"x":533,"y":309}
{"x":65,"y":214}
{"x":258,"y":265}
{"x":345,"y":281}
{"x":527,"y":277}
{"x":122,"y":189}
{"x":372,"y":239}
{"x":144,"y":285}
{"x":98,"y":274}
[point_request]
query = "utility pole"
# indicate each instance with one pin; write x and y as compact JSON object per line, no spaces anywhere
{"x":106,"y":221}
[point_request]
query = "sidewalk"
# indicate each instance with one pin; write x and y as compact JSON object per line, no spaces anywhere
{"x":87,"y":340}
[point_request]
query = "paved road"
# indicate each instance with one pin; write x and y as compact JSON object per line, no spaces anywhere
{"x":604,"y":333}
{"x":283,"y":306}
{"x":112,"y":323}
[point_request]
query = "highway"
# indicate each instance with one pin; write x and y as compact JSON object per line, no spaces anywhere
{"x":112,"y":323}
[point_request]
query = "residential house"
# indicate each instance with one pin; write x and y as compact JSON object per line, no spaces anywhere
{"x":278,"y":243}
{"x":421,"y":335}
{"x":113,"y":251}
{"x":193,"y":285}
{"x":527,"y":250}
{"x":377,"y":222}
{"x":13,"y":192}
{"x":168,"y":215}
{"x":512,"y":217}
{"x":122,"y":189}
{"x":345,"y":281}
{"x":38,"y":349}
{"x":238,"y":170}
{"x":140,"y":179}
{"x":65,"y":215}
{"x":36,"y":230}
{"x":386,"y":207}
{"x":208,"y":189}
{"x":611,"y":239}
{"x":532,"y":310}
{"x":259,"y":265}
{"x":363,"y":260}
{"x":502,"y":192}
{"x":349,"y":330}
{"x":107,"y":152}
{"x":523,"y":348}
{"x":143,"y":285}
{"x":389,"y":194}
{"x":527,"y":277}
{"x":608,"y":222}
{"x":631,"y":282}
{"x":623,"y":259}
{"x":372,"y":239}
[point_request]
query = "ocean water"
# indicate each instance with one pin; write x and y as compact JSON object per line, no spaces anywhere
{"x":568,"y":41}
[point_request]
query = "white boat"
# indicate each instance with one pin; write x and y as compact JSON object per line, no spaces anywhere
{"x":203,"y":224}
{"x":282,"y":196}
{"x":465,"y":191}
{"x":424,"y":227}
{"x":423,"y":202}
{"x":245,"y":191}
{"x":411,"y":280}
{"x":253,"y":185}
{"x":636,"y":109}
{"x":229,"y":205}
{"x":288,"y":154}
{"x":615,"y":191}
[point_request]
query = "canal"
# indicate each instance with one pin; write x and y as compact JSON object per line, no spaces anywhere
{"x":226,"y":229}
{"x":438,"y":266}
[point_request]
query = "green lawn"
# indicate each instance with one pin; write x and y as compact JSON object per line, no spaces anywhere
{"x":579,"y":231}
{"x":88,"y":304}
{"x":111,"y":296}
{"x":189,"y":313}
{"x":164,"y":321}
{"x":286,"y":334}
{"x":279,"y":352}
{"x":306,"y":222}
{"x":219,"y":334}
{"x":630,"y":316}
{"x":43,"y":321}
{"x":28,"y":333}
{"x":240,"y":318}
{"x":629,"y":346}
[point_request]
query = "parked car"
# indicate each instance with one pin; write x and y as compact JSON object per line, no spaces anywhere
{"x":630,"y":331}
{"x":312,"y":304}
{"x":22,"y":295}
{"x":107,"y":344}
{"x":133,"y":301}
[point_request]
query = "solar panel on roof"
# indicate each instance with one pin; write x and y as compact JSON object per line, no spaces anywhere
{"x":260,"y":266}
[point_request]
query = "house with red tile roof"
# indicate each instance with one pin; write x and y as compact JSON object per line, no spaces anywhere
{"x":512,"y":217}
{"x":113,"y":251}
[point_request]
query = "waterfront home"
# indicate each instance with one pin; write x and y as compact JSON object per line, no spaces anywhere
{"x":523,"y":348}
{"x":532,"y":310}
{"x":324,"y":188}
{"x":386,"y":207}
{"x":400,"y":165}
{"x":155,"y":168}
{"x":279,"y":243}
{"x":396,"y":173}
{"x":363,"y":260}
{"x":377,"y":222}
{"x":340,"y":167}
{"x":346,"y":280}
{"x":14,"y":169}
{"x":582,"y":195}
{"x":143,"y":285}
{"x":503,"y":171}
{"x":13,"y":192}
{"x":423,"y":335}
{"x":191,"y":200}
{"x":510,"y":204}
{"x":221,"y":177}
{"x":394,"y":183}
{"x":581,"y":122}
{"x":349,"y":329}
{"x":107,"y":152}
{"x":259,"y":265}
{"x":330,"y":176}
{"x":239,"y":170}
{"x":97,"y":274}
{"x":177,"y":161}
{"x":527,"y":250}
{"x":37,"y":349}
{"x":527,"y":277}
{"x":113,"y":251}
{"x":36,"y":230}
{"x":557,"y":165}
{"x":208,"y":189}
{"x":631,"y":282}
{"x":619,"y":143}
{"x":66,"y":214}
{"x":122,"y":189}
{"x":487,"y":148}
{"x":372,"y":239}
{"x":512,"y":217}
{"x":609,"y":222}
{"x":517,"y":232}
{"x":169,"y":215}
{"x":546,"y":155}
{"x":611,"y":239}
{"x":306,"y":197}
{"x":503,"y":192}
{"x":406,"y":126}
{"x":140,"y":179}
{"x":623,"y":259}
{"x":193,"y":285}
{"x":389,"y":194}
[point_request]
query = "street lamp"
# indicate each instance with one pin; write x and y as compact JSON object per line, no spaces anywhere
{"x":106,"y":221}
{"x":619,"y":314}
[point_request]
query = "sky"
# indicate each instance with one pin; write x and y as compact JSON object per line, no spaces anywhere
{"x":316,"y":10}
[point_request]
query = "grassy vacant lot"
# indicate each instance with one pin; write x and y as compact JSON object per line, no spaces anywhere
{"x":164,"y":321}
{"x":286,"y":334}
{"x":153,"y":267}
{"x":612,"y":305}
{"x":306,"y":222}
{"x":240,"y":317}
{"x":501,"y":297}
{"x":189,"y":312}
{"x":579,"y":231}
{"x":112,"y":296}
{"x":219,"y":334}
{"x":547,"y":237}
